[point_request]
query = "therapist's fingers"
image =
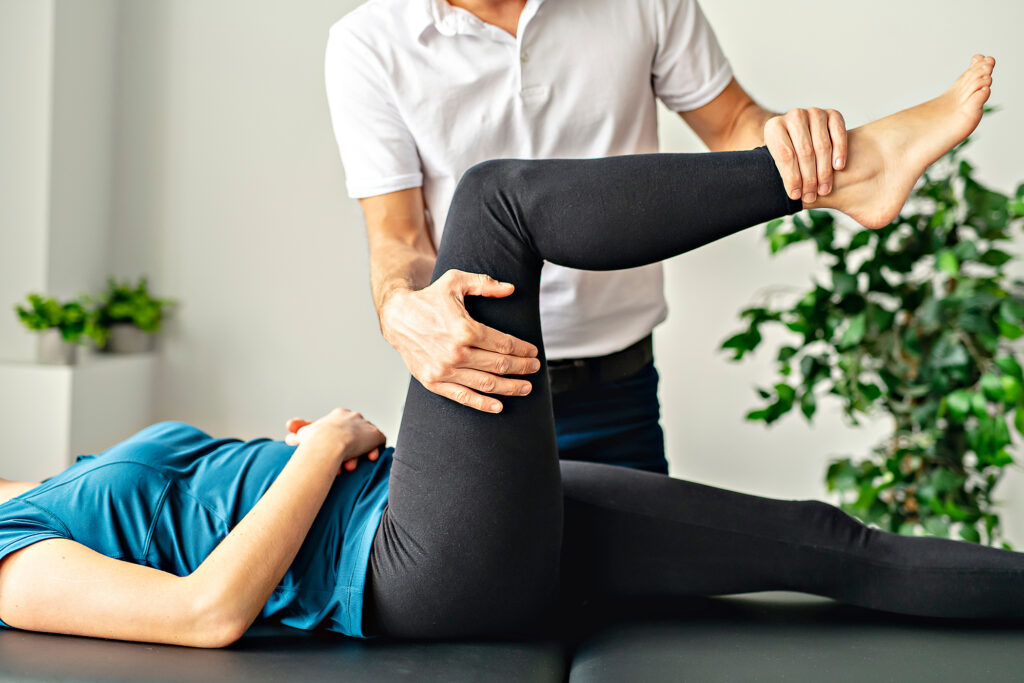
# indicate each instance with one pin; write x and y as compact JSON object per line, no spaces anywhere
{"x":776,"y":138}
{"x":490,"y":384}
{"x":837,"y":132}
{"x":822,"y":141}
{"x":465,"y":396}
{"x":490,"y":339}
{"x":499,"y":364}
{"x":798,"y":125}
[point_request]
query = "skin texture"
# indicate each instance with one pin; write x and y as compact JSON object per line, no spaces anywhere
{"x":893,"y":152}
{"x":453,"y":356}
{"x":41,"y":585}
{"x":10,"y":489}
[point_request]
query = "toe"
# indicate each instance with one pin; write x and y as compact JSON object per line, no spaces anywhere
{"x":978,"y":98}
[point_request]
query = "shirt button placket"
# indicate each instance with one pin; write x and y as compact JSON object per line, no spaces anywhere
{"x":524,"y":57}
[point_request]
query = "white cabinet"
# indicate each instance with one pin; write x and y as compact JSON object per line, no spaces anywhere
{"x":50,"y":414}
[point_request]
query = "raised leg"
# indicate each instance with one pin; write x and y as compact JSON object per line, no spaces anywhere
{"x":471,"y":538}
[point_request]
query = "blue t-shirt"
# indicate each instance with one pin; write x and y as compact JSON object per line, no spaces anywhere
{"x":168,"y":495}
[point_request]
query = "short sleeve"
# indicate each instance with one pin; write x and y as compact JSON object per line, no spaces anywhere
{"x":377,"y":148}
{"x":689,"y":67}
{"x":22,"y":524}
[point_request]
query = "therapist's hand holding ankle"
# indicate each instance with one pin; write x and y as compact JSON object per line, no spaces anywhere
{"x":450,"y":354}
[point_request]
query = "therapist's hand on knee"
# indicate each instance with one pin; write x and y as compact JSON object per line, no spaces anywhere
{"x":451,"y":354}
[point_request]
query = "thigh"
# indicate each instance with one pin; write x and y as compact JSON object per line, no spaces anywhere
{"x":613,"y":423}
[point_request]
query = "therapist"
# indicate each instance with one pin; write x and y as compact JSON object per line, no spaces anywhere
{"x":421,"y":90}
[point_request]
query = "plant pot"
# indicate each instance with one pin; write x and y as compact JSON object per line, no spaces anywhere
{"x":126,"y":338}
{"x":51,"y":349}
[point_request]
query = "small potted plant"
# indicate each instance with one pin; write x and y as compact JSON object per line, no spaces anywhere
{"x":130,"y":317}
{"x":61,"y":327}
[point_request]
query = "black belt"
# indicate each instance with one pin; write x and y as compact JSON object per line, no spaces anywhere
{"x":570,"y":374}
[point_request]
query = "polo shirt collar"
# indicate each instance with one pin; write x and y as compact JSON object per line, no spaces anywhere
{"x":437,"y":13}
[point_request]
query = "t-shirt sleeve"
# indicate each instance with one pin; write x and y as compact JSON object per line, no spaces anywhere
{"x":689,"y":67}
{"x":377,"y":148}
{"x":21,"y":525}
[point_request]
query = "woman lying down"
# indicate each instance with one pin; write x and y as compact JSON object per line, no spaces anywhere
{"x":470,"y":525}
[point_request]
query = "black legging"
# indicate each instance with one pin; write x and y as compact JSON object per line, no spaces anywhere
{"x":483,"y":523}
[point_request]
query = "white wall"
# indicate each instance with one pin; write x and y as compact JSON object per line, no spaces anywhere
{"x":56,"y":146}
{"x":79,"y":255}
{"x":864,"y":60}
{"x":57,"y":76}
{"x":26,"y":64}
{"x":228,"y":191}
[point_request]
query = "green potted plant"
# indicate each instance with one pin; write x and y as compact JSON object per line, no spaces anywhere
{"x":61,"y":327}
{"x":915,"y":321}
{"x":130,"y":316}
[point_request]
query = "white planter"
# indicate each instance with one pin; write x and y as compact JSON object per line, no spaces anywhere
{"x":51,"y":349}
{"x":126,"y":338}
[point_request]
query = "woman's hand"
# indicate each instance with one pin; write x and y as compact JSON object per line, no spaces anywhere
{"x":350,"y":432}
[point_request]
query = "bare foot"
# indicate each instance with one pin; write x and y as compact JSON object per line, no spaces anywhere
{"x":887,"y":156}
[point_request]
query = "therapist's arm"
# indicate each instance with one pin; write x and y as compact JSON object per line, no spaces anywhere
{"x":447,"y":351}
{"x":807,"y":144}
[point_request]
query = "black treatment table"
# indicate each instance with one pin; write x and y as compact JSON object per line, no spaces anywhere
{"x":759,"y":637}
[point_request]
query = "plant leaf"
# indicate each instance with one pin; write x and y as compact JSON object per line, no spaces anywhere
{"x":854,"y":332}
{"x":946,"y":262}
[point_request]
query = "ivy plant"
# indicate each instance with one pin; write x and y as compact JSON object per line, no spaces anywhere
{"x":915,"y":321}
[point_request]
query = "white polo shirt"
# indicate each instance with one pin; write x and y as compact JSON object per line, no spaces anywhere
{"x":420,"y":91}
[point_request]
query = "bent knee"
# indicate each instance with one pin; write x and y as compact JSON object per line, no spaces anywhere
{"x":831,"y":521}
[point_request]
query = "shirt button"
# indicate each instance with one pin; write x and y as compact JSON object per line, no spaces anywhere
{"x":524,"y":56}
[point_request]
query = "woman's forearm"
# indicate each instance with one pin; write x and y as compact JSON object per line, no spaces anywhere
{"x":235,"y":581}
{"x":10,"y":489}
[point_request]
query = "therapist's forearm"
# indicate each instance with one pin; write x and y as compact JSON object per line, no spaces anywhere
{"x":401,"y":253}
{"x":395,"y":266}
{"x":748,"y":130}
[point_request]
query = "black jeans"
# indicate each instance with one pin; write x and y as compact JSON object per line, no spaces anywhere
{"x":484,"y":524}
{"x":613,"y":423}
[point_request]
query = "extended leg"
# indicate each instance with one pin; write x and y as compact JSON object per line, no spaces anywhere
{"x":630,"y":533}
